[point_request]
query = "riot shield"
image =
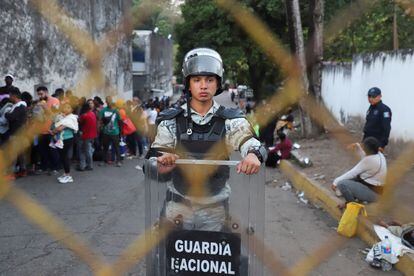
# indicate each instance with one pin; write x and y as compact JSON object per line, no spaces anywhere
{"x":203,"y":218}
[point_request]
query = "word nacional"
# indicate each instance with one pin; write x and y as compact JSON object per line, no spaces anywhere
{"x":206,"y":266}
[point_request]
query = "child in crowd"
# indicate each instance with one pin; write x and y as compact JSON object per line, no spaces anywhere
{"x":56,"y":141}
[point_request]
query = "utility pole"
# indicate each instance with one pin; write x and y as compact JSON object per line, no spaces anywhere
{"x":395,"y":28}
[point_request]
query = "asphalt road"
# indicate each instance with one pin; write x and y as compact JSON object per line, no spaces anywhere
{"x":106,"y":209}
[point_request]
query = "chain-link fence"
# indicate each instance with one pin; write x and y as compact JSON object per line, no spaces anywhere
{"x":291,"y":93}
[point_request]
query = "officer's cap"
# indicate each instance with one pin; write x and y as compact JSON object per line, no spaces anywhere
{"x":374,"y":91}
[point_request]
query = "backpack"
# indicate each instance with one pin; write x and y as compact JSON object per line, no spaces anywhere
{"x":109,"y":121}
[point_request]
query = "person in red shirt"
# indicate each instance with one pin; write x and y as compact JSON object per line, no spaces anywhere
{"x":88,"y":129}
{"x":280,"y":151}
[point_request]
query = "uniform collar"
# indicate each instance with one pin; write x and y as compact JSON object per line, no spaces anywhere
{"x":211,"y":111}
{"x":377,"y":104}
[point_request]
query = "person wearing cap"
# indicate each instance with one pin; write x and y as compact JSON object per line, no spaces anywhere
{"x":192,"y":131}
{"x":378,"y":118}
{"x":5,"y":90}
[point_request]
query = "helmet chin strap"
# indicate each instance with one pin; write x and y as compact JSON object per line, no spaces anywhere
{"x":189,"y":120}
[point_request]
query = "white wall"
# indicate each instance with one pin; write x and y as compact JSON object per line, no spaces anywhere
{"x":345,"y":86}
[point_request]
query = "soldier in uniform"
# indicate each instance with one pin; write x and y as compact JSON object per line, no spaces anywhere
{"x":191,"y":131}
{"x":378,"y":119}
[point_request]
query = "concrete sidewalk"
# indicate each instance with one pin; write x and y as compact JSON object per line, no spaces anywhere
{"x":294,"y":230}
{"x":320,"y":195}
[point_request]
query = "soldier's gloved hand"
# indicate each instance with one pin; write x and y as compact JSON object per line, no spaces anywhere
{"x":249,"y":165}
{"x":166,"y":162}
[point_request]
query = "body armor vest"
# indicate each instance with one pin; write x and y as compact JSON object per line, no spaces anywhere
{"x":203,"y":143}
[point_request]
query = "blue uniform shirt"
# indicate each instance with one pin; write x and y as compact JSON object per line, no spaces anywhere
{"x":378,"y":123}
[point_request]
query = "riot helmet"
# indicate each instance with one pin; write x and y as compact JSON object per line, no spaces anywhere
{"x":203,"y":62}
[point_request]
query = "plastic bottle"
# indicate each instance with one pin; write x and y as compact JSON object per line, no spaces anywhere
{"x":386,"y":254}
{"x":386,"y":247}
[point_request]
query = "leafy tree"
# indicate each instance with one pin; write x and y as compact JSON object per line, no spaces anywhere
{"x":164,"y":17}
{"x":372,"y":32}
{"x":205,"y":25}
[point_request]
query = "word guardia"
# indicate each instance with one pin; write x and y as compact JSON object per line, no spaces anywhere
{"x":209,"y":248}
{"x":206,"y":266}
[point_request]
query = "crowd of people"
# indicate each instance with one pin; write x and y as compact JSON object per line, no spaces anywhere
{"x":74,"y":130}
{"x":87,"y":130}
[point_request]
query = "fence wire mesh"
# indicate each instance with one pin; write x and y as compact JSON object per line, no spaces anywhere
{"x":292,"y":93}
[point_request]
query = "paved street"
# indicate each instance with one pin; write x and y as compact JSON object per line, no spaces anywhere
{"x":106,"y":208}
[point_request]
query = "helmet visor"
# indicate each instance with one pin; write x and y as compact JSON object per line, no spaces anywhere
{"x":202,"y":65}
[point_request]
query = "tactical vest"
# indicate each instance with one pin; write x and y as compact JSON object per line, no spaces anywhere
{"x":203,"y":144}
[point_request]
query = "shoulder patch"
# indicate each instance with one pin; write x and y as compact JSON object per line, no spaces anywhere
{"x":168,"y":114}
{"x":230,"y":113}
{"x":387,"y":114}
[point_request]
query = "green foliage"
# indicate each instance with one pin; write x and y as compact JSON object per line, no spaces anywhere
{"x":205,"y":25}
{"x":163,"y":17}
{"x":372,"y":32}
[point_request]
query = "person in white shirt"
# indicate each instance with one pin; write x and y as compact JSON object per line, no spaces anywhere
{"x":151,"y":118}
{"x":364,"y":182}
{"x":152,"y":115}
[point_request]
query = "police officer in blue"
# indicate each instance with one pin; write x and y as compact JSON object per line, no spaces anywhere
{"x":191,"y":132}
{"x":378,"y":119}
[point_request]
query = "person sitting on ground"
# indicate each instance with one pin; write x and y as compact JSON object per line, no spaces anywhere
{"x":365,"y":181}
{"x":280,"y":151}
{"x":285,"y":123}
